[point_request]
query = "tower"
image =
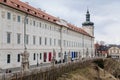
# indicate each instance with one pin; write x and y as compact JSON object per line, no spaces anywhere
{"x":88,"y":26}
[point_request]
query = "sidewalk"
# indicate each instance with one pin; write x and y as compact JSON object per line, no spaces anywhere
{"x":18,"y":69}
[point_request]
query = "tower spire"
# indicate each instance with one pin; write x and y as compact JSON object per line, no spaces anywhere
{"x":87,"y":15}
{"x":88,"y":26}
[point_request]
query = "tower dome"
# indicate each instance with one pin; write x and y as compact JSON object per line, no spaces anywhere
{"x":87,"y":22}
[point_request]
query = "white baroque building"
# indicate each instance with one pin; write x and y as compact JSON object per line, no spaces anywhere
{"x":45,"y":35}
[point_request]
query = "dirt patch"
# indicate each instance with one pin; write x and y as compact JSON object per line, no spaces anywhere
{"x":88,"y":73}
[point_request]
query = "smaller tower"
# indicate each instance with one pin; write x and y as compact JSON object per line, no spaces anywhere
{"x":88,"y":26}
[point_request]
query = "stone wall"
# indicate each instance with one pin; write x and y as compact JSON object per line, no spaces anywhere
{"x":49,"y":73}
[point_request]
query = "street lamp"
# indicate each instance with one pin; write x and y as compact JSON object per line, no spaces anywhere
{"x":37,"y":60}
{"x":53,"y":59}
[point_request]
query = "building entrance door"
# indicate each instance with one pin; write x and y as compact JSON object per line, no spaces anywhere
{"x":45,"y":56}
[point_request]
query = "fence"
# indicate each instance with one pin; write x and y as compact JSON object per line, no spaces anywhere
{"x":51,"y":73}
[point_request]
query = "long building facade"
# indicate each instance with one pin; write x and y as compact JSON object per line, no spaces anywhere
{"x":43,"y":35}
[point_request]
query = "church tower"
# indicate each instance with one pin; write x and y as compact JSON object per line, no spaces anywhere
{"x":88,"y":26}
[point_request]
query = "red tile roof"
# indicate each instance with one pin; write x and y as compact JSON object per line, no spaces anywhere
{"x":26,"y":8}
{"x":77,"y":29}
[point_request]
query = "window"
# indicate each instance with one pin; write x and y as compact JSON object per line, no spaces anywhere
{"x":27,"y":39}
{"x":18,"y":18}
{"x":14,"y":17}
{"x":33,"y":23}
{"x":59,"y":42}
{"x":40,"y":56}
{"x":45,"y":26}
{"x":50,"y":27}
{"x":64,"y":42}
{"x":40,"y":24}
{"x":18,"y":59}
{"x":50,"y":41}
{"x":3,"y":14}
{"x":18,"y":38}
{"x":30,"y":22}
{"x":27,"y":21}
{"x":40,"y":40}
{"x":34,"y":56}
{"x":45,"y":41}
{"x":37,"y":24}
{"x":8,"y":37}
{"x":8,"y":15}
{"x":34,"y":38}
{"x":8,"y":58}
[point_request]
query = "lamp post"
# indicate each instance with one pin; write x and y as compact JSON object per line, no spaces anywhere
{"x":37,"y":60}
{"x":61,"y":39}
{"x":53,"y":59}
{"x":87,"y":53}
{"x":25,"y":54}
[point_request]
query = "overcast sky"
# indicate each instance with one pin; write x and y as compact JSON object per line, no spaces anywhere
{"x":104,"y":13}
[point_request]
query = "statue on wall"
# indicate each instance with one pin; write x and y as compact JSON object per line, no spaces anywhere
{"x":25,"y":61}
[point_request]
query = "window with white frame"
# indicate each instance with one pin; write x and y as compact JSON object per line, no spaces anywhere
{"x":18,"y":18}
{"x":8,"y":37}
{"x":45,"y":41}
{"x":27,"y":39}
{"x":40,"y":40}
{"x":40,"y":56}
{"x":8,"y":15}
{"x":18,"y":58}
{"x":34,"y":56}
{"x":34,"y":40}
{"x":33,"y":23}
{"x":50,"y":41}
{"x":8,"y":58}
{"x":18,"y":38}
